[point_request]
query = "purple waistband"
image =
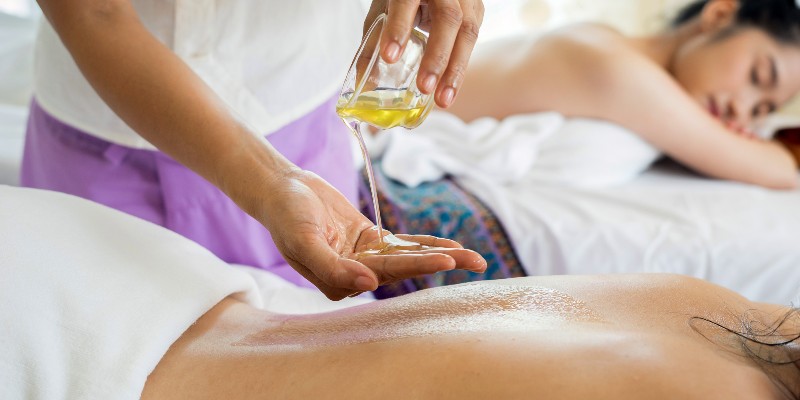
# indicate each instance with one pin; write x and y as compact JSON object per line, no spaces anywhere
{"x":152,"y":186}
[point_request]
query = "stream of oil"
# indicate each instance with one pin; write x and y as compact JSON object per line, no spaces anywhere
{"x":386,"y":243}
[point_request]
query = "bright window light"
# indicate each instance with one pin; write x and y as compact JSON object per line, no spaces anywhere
{"x":502,"y":17}
{"x":22,"y":8}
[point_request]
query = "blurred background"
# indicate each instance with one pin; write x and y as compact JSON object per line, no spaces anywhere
{"x":503,"y":17}
{"x":631,"y":16}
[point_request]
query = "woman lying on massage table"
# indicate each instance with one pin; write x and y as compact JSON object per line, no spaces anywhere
{"x":79,"y":321}
{"x":722,"y":66}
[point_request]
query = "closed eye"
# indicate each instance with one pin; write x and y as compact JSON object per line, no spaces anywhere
{"x":765,"y":75}
{"x":763,"y":109}
{"x":754,"y":77}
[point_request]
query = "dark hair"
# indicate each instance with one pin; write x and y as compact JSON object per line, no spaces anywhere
{"x":779,"y":18}
{"x":765,"y":344}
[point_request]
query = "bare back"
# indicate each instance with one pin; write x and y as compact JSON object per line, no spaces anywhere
{"x":536,"y":72}
{"x":552,"y":337}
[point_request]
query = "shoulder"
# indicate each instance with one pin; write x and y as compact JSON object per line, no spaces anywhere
{"x":607,"y":67}
{"x":604,"y":56}
{"x":591,"y":39}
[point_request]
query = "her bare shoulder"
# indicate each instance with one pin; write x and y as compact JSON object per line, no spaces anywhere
{"x":596,"y":63}
{"x":592,"y":40}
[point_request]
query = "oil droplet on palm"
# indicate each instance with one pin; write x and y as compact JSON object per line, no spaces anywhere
{"x":390,"y":244}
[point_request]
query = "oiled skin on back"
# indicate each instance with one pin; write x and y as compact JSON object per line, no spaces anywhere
{"x":622,"y":336}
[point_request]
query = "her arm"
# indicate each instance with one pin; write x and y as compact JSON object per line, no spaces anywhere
{"x":648,"y":101}
{"x":157,"y":95}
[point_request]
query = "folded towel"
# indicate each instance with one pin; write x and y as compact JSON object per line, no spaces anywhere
{"x":540,"y":147}
{"x":93,"y":298}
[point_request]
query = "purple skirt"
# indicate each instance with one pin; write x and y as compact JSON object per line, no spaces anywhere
{"x":154,"y":187}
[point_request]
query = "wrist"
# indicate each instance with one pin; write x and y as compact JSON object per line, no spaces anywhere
{"x":250,"y":173}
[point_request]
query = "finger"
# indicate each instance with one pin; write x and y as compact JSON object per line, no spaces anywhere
{"x":333,"y":270}
{"x":331,"y":293}
{"x":446,"y":18}
{"x":432,"y":241}
{"x":394,"y":267}
{"x":465,"y":259}
{"x":468,"y":260}
{"x":400,"y":17}
{"x":453,"y":77}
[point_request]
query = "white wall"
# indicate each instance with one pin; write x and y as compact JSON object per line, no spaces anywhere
{"x":16,"y":58}
{"x":631,"y":16}
{"x":20,"y":8}
{"x":17,"y":31}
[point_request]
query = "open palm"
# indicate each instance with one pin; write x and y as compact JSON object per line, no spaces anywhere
{"x":320,"y":234}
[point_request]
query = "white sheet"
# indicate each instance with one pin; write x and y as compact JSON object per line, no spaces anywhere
{"x":743,"y":237}
{"x":545,"y":147}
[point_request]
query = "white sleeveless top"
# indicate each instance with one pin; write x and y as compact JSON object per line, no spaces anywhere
{"x":271,"y":61}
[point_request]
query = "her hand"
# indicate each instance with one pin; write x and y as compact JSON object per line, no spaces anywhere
{"x":453,"y":26}
{"x":318,"y":232}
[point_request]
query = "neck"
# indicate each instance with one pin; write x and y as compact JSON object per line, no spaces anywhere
{"x":662,"y":47}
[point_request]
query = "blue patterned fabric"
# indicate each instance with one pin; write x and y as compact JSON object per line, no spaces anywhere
{"x":442,"y":209}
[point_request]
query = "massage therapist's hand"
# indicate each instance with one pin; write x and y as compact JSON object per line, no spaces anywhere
{"x":318,"y":232}
{"x":453,"y":27}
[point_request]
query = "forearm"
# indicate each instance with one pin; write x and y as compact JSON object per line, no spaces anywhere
{"x":769,"y":165}
{"x":726,"y":155}
{"x":159,"y":96}
{"x":667,"y":117}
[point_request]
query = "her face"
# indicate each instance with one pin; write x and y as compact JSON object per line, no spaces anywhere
{"x":739,"y":77}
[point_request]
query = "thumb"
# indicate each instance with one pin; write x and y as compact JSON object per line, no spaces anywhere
{"x":334,"y":270}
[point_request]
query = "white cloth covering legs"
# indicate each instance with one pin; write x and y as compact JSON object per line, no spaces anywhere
{"x":93,"y":298}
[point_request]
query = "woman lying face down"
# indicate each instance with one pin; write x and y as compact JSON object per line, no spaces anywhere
{"x":613,"y":337}
{"x":695,"y":90}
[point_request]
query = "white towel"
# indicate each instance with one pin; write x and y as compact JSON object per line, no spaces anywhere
{"x":92,"y":298}
{"x":283,"y":297}
{"x":541,"y":147}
